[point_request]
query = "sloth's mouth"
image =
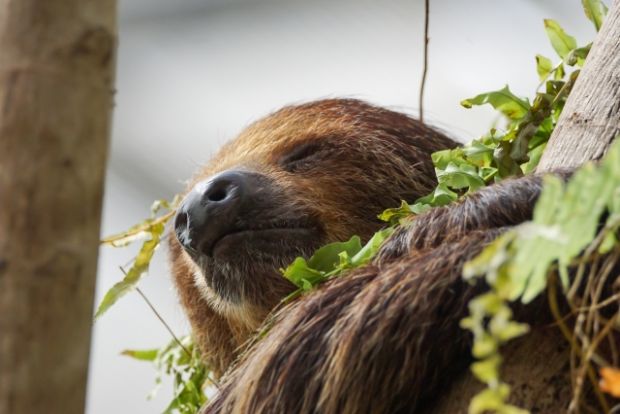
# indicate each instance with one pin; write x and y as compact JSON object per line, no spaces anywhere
{"x":266,"y":241}
{"x":242,"y":264}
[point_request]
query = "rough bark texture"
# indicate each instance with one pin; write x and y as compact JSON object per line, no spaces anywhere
{"x":56,"y":76}
{"x":537,"y":369}
{"x":591,"y":118}
{"x":536,"y":366}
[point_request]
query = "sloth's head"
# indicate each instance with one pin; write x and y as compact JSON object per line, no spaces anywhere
{"x":302,"y":177}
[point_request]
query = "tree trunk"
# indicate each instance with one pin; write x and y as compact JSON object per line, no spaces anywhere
{"x":591,"y":118}
{"x":56,"y":80}
{"x":537,"y":368}
{"x":537,"y":365}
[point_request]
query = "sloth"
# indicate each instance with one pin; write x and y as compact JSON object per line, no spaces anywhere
{"x":302,"y":177}
{"x":383,"y":338}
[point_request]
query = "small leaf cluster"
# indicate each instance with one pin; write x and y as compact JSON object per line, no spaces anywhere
{"x":331,"y":260}
{"x":566,"y":222}
{"x":510,"y":151}
{"x":595,"y":11}
{"x":151,"y":231}
{"x":181,"y":360}
{"x":566,"y":219}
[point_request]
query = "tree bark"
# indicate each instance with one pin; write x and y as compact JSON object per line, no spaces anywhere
{"x":56,"y":80}
{"x":537,"y":368}
{"x":537,"y":365}
{"x":591,"y":118}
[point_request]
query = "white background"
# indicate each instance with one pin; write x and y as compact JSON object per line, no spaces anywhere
{"x":192,"y":74}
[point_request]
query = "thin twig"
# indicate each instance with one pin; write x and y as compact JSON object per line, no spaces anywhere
{"x":586,"y":367}
{"x":425,"y":68}
{"x":553,"y":304}
{"x":177,"y":340}
{"x":161,"y":319}
{"x":170,"y":331}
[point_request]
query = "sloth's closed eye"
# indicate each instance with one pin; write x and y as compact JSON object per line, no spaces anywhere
{"x":300,"y":157}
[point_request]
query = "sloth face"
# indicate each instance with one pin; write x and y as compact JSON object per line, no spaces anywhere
{"x":302,"y":177}
{"x":239,"y":227}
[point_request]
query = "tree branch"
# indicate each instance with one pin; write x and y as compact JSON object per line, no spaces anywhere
{"x":591,"y":118}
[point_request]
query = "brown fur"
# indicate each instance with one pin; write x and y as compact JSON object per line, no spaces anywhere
{"x":384,"y":338}
{"x":362,"y":160}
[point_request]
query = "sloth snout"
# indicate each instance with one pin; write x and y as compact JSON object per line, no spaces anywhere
{"x":210,"y":210}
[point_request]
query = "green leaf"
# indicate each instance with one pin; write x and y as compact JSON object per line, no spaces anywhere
{"x":479,"y":153}
{"x":595,"y":11}
{"x":493,"y":400}
{"x":504,"y":328}
{"x":160,"y":205}
{"x":371,"y":247}
{"x":394,"y":215}
{"x":503,"y":100}
{"x":460,"y":176}
{"x":420,"y":207}
{"x":484,"y":346}
{"x":302,"y":275}
{"x":331,"y":260}
{"x":562,"y":43}
{"x":140,"y":231}
{"x":534,"y":158}
{"x":487,"y":370}
{"x":543,"y":67}
{"x":578,"y":56}
{"x":565,"y":221}
{"x":441,"y":196}
{"x":609,"y":242}
{"x":142,"y":355}
{"x":307,"y":274}
{"x":138,"y":269}
{"x":181,"y":361}
{"x":442,"y":158}
{"x":327,"y":257}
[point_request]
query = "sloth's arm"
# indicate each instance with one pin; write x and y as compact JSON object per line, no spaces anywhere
{"x":384,"y":338}
{"x":505,"y":204}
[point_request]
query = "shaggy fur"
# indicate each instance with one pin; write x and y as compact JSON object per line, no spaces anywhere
{"x":380,"y":339}
{"x":384,"y":338}
{"x":326,"y":169}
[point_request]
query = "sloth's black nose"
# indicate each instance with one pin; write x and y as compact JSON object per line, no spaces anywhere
{"x":210,"y":210}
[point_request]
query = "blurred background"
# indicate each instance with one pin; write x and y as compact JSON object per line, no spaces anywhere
{"x":192,"y":73}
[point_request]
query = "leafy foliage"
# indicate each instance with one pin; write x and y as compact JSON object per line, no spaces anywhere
{"x":565,"y":222}
{"x":181,"y":360}
{"x":516,"y":265}
{"x":503,"y":100}
{"x":331,"y":260}
{"x":562,"y":43}
{"x":595,"y":11}
{"x":512,"y":151}
{"x":493,"y":157}
{"x":150,"y":229}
